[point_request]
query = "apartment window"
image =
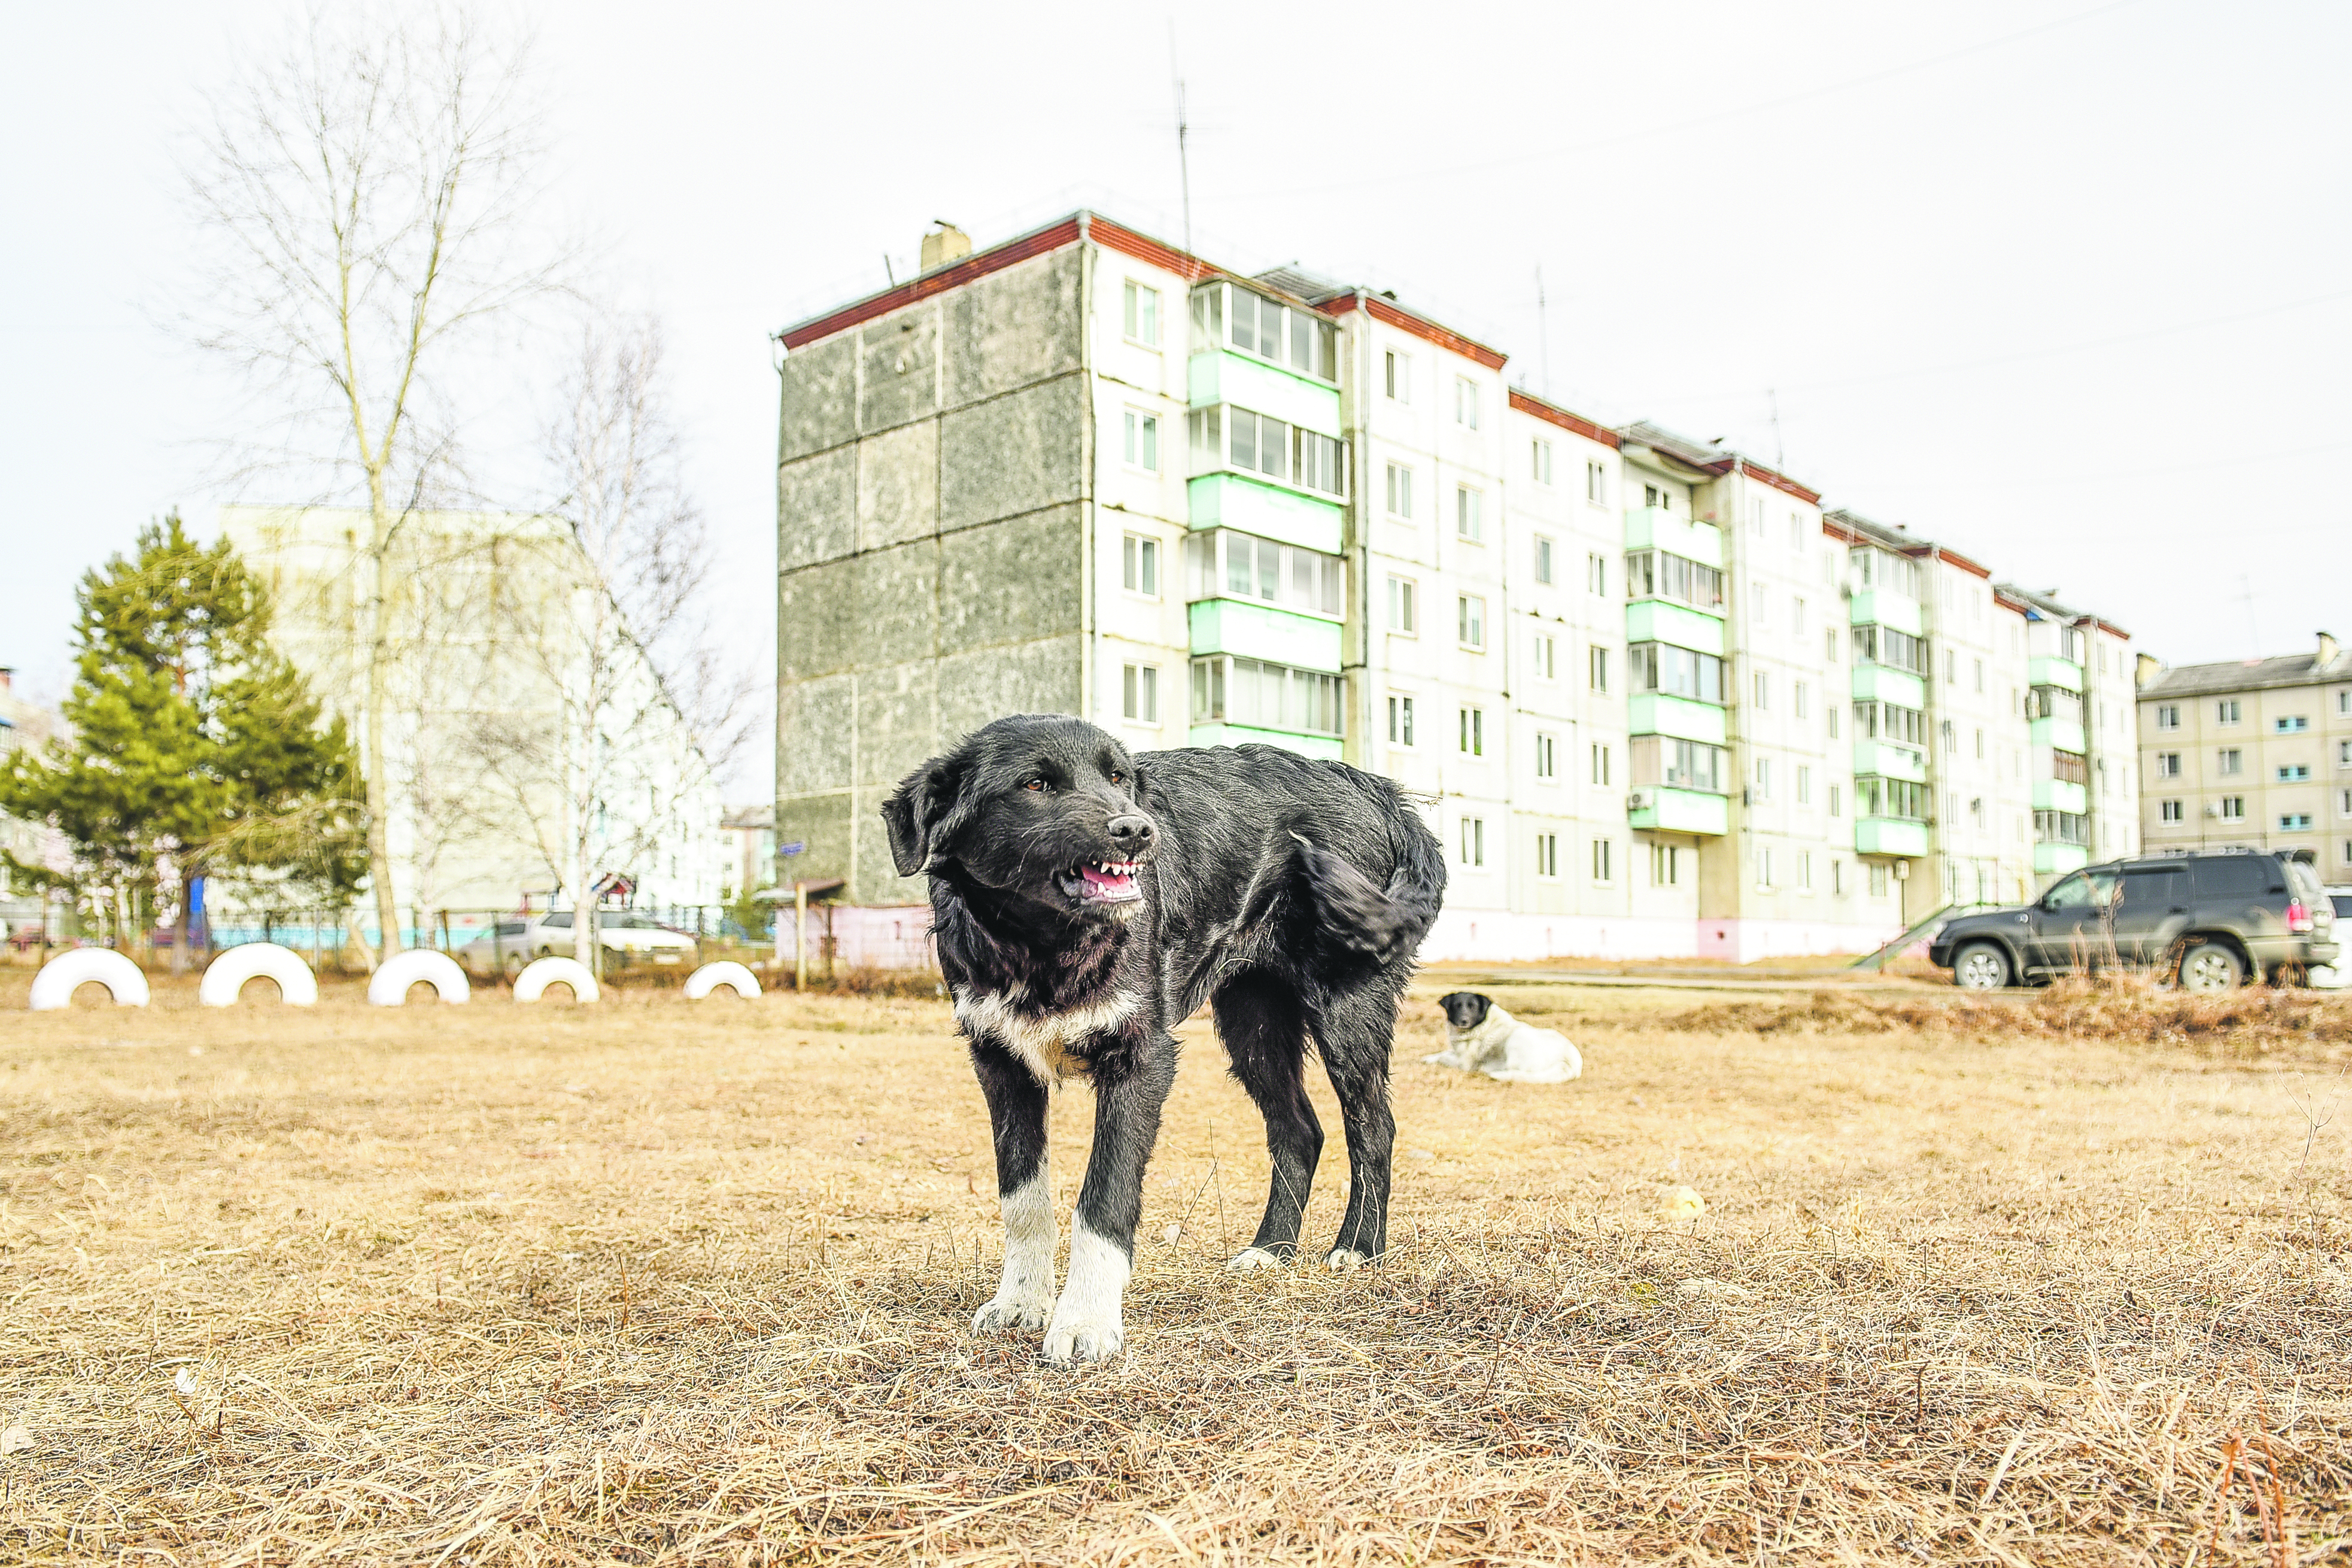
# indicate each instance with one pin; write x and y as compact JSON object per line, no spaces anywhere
{"x":1540,"y":460}
{"x":1878,"y":881}
{"x":1657,"y":496}
{"x":1404,"y":618}
{"x":1143,"y":441}
{"x":2231,"y":761}
{"x":1545,"y":646}
{"x":1399,"y":490}
{"x":1397,"y":373}
{"x":1797,"y":615}
{"x":1979,"y":676}
{"x":1804,"y":786}
{"x":1470,"y":620}
{"x":2167,"y":715}
{"x":1837,"y":804}
{"x":1473,"y":841}
{"x":1604,"y":867}
{"x":2233,"y":809}
{"x":2290,"y":724}
{"x":1465,"y":403}
{"x":2294,"y":773}
{"x":1401,"y":721}
{"x":2344,"y":702}
{"x":1763,"y":693}
{"x":1597,"y":667}
{"x":1980,"y":745}
{"x":2344,"y":803}
{"x":1596,"y":484}
{"x":1543,"y":558}
{"x":1300,"y":339}
{"x":1797,"y":694}
{"x":1222,"y":563}
{"x":2168,"y":811}
{"x":1600,"y":764}
{"x":1139,"y":565}
{"x":1545,"y":757}
{"x":1467,"y":521}
{"x":1763,"y":789}
{"x":1764,"y":868}
{"x":1548,"y":856}
{"x":1248,"y":692}
{"x":2294,"y":821}
{"x":1756,"y":519}
{"x":1140,"y":692}
{"x":1759,"y":604}
{"x":1596,"y":574}
{"x":1828,"y":646}
{"x":1951,"y":668}
{"x":1837,"y":878}
{"x":2225,"y":711}
{"x":1142,"y":314}
{"x":1676,"y":671}
{"x":1804,"y":870}
{"x":1658,"y":575}
{"x":1474,"y":732}
{"x":1831,"y":713}
{"x":2343,"y":753}
{"x":1223,"y":436}
{"x":1665,"y":865}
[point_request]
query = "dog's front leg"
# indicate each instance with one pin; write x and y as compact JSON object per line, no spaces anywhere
{"x":1016,"y":1108}
{"x":1130,"y":1085}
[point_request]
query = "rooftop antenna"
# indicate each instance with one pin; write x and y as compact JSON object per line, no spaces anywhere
{"x":2253,"y":626}
{"x":1779,"y":459}
{"x":1184,"y":130}
{"x":1543,"y":330}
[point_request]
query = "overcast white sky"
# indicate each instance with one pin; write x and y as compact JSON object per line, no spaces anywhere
{"x":2062,"y":284}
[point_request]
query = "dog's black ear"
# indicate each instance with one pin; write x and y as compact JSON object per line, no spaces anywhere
{"x":1485,"y":1006}
{"x":923,"y":814}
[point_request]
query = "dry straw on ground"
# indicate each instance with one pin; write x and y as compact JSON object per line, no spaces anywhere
{"x":652,"y":1282}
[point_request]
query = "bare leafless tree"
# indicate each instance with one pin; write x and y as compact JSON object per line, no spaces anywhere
{"x":647,"y":709}
{"x":365,"y":200}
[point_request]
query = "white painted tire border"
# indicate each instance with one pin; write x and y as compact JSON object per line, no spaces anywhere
{"x":388,"y":987}
{"x":540,"y":973}
{"x":727,"y":972}
{"x":226,"y":976}
{"x":54,"y":986}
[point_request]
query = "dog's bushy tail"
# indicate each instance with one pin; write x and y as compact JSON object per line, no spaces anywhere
{"x":1363,"y":921}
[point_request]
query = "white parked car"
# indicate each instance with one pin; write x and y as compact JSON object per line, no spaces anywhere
{"x":625,"y":934}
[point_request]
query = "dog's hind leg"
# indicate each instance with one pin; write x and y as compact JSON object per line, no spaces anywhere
{"x":1016,"y":1108}
{"x":1355,"y":1030}
{"x":1265,"y":1034}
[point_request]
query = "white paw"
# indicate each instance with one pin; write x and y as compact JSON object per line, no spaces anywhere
{"x":1075,"y":1338}
{"x":1344,"y":1260}
{"x":1250,"y":1259}
{"x":1013,"y":1312}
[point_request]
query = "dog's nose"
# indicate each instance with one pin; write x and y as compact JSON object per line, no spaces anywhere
{"x":1133,"y":835}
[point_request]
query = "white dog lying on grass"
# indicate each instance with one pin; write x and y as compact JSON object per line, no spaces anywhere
{"x":1481,"y":1037}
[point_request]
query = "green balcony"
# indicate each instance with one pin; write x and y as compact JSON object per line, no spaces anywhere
{"x":1879,"y":683}
{"x":1890,"y":835}
{"x":1679,"y":811}
{"x":1884,"y":607}
{"x":2051,"y":860}
{"x":1325,"y":746}
{"x":1654,"y":713}
{"x":1886,"y":761}
{"x":2066,"y":734}
{"x":2050,"y":672}
{"x":1260,"y":631}
{"x":1654,"y":528}
{"x":1269,"y":510}
{"x":2058,"y":794}
{"x":1663,"y":620}
{"x":1216,"y":376}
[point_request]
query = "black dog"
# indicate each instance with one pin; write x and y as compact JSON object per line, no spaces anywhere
{"x":1085,"y":901}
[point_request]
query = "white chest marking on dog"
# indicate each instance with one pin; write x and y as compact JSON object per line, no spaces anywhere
{"x":1089,"y":1324}
{"x":1042,"y":1041}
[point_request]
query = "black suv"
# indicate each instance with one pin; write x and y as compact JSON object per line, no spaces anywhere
{"x":2208,"y":918}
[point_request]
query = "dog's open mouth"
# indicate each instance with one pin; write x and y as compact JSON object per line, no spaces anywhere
{"x":1104,"y":881}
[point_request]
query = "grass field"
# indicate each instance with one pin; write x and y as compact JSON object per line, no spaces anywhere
{"x":2052,"y":1281}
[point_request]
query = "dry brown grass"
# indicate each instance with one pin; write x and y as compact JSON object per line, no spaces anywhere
{"x":657,"y":1283}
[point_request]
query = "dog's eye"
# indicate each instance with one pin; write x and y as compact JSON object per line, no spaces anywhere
{"x":1037,"y":785}
{"x":1116,"y":777}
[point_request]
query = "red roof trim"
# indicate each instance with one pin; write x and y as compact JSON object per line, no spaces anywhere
{"x":1963,"y":563}
{"x":2003,"y":601}
{"x":1540,"y":409}
{"x":1780,"y":482}
{"x":1405,"y":321}
{"x":2110,"y":627}
{"x":1143,"y":247}
{"x":978,"y":265}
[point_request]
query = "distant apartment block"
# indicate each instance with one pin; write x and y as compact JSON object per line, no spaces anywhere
{"x":2255,"y":751}
{"x":1657,"y":702}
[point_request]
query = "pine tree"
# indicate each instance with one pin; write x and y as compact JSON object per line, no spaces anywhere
{"x":196,"y":748}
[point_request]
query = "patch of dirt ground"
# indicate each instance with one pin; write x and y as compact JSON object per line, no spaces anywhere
{"x":655,"y":1281}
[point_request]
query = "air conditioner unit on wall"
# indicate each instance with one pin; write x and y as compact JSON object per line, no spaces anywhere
{"x":1640,"y":799}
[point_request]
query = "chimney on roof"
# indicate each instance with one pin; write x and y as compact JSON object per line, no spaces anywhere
{"x":943,"y":244}
{"x":2327,"y":649}
{"x":2150,"y":667}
